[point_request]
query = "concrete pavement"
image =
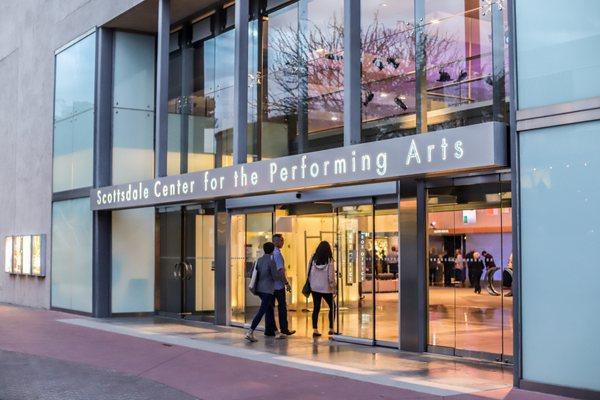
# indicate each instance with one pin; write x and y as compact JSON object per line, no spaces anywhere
{"x":49,"y":359}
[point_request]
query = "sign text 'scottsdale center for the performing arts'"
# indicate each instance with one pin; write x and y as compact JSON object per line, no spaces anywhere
{"x":473,"y":147}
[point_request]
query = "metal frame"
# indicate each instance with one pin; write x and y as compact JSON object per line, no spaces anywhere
{"x":102,"y":221}
{"x":352,"y":73}
{"x":516,"y":198}
{"x":558,"y":114}
{"x":78,"y":193}
{"x":240,"y":82}
{"x":162,"y":88}
{"x":420,"y":67}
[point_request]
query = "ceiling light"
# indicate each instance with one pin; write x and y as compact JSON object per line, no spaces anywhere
{"x":444,"y":76}
{"x":384,"y":95}
{"x":400,"y":103}
{"x":392,"y":61}
{"x":435,"y":21}
{"x":378,"y":63}
{"x":368,"y":98}
{"x":462,"y":76}
{"x":334,"y":118}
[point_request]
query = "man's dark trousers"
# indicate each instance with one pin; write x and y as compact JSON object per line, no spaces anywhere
{"x":281,"y":310}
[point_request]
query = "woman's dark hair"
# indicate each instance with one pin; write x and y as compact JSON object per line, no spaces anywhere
{"x":323,"y":253}
{"x":268,"y":248}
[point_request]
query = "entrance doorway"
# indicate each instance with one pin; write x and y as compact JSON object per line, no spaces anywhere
{"x":469,"y":237}
{"x":364,"y":238}
{"x":302,"y":227}
{"x":367,"y":261}
{"x":185,"y":278}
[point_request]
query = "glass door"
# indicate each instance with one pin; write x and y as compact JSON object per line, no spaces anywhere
{"x":186,"y":262}
{"x":200,"y":255}
{"x":469,"y":240}
{"x":248,"y":234}
{"x":172,"y":271}
{"x":387,"y":282}
{"x":237,"y":275}
{"x":357,"y":258}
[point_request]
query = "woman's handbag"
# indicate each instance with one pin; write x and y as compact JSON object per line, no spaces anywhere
{"x":306,"y":291}
{"x":253,"y":280}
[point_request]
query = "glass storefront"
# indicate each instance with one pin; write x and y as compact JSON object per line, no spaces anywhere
{"x":364,"y":240}
{"x":469,"y":265}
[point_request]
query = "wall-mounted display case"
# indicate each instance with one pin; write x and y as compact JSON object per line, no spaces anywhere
{"x":24,"y":255}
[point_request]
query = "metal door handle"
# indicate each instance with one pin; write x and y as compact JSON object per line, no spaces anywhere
{"x":188,"y":271}
{"x":178,"y":270}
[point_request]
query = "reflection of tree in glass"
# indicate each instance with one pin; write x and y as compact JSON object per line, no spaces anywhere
{"x":308,"y":65}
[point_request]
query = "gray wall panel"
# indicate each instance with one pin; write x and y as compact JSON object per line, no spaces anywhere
{"x":28,"y":43}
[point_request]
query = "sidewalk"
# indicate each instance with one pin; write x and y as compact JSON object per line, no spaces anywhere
{"x":64,"y":356}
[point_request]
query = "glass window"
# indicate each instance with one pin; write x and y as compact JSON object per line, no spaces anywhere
{"x":558,"y":61}
{"x":72,"y":255}
{"x":134,"y":71}
{"x":133,"y":263}
{"x":133,"y":145}
{"x":75,"y":78}
{"x":388,"y":72}
{"x":559,"y":236}
{"x":465,"y":56}
{"x":74,"y":115}
{"x":201,"y":104}
{"x":223,"y":97}
{"x":133,"y":107}
{"x":302,"y":78}
{"x":73,"y":151}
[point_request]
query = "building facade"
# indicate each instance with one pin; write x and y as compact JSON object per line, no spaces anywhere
{"x":446,"y":150}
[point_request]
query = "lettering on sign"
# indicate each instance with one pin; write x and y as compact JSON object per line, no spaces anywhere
{"x":468,"y":148}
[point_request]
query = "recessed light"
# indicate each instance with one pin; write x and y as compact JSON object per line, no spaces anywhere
{"x":334,"y":118}
{"x":383,"y":95}
{"x":435,"y":21}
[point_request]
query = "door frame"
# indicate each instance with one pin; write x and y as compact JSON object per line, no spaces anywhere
{"x":242,"y":211}
{"x":503,"y":179}
{"x":186,"y":241}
